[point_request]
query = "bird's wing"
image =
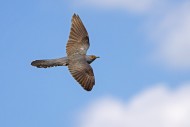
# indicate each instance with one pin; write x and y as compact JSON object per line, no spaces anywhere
{"x":83,"y":73}
{"x":78,"y":42}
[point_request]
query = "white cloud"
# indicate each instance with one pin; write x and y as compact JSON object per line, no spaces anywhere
{"x":156,"y":107}
{"x":172,"y":33}
{"x":138,"y":6}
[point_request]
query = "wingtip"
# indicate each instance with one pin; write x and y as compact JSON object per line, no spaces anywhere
{"x":74,"y":15}
{"x":88,"y":89}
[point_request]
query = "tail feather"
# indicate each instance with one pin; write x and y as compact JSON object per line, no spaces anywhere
{"x":50,"y":63}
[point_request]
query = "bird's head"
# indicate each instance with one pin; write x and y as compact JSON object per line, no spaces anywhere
{"x":91,"y":58}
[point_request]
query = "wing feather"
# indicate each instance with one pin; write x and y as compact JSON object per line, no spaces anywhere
{"x":83,"y":74}
{"x":78,"y":42}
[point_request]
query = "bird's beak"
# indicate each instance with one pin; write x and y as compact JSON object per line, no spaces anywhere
{"x":97,"y":57}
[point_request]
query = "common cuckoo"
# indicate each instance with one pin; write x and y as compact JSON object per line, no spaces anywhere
{"x":76,"y":60}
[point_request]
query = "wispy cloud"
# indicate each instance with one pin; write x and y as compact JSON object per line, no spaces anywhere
{"x":171,"y":32}
{"x":156,"y":107}
{"x":127,"y":5}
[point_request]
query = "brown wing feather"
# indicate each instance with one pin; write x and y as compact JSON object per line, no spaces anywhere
{"x":78,"y":42}
{"x":83,"y":74}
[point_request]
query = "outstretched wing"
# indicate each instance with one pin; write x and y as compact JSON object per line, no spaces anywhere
{"x":83,"y":73}
{"x":78,"y":42}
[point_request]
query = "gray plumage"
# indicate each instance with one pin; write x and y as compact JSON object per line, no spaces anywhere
{"x":76,"y":60}
{"x":45,"y":63}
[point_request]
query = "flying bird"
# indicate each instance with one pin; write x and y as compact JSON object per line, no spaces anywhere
{"x":77,"y":61}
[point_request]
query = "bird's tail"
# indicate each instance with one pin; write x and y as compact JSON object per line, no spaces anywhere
{"x":50,"y":62}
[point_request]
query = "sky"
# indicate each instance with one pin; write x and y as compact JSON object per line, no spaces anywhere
{"x":142,"y":76}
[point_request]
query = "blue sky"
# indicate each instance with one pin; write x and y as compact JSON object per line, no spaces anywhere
{"x":144,"y":48}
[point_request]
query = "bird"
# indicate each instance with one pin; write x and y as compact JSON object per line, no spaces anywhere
{"x":77,"y":60}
